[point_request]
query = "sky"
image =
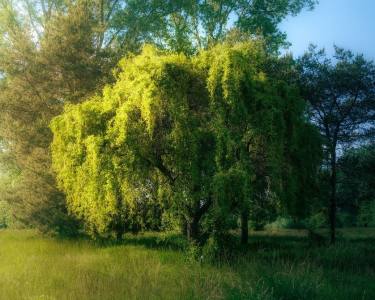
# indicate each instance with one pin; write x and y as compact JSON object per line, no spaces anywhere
{"x":347,"y":23}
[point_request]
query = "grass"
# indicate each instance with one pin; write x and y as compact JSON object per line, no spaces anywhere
{"x":277,"y":265}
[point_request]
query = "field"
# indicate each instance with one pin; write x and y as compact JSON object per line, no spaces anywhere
{"x":276,"y":265}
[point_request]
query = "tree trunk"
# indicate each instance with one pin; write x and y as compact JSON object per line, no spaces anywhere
{"x":193,"y":224}
{"x":333,"y":205}
{"x":244,"y":227}
{"x":184,"y":230}
{"x":119,"y":233}
{"x":193,"y":229}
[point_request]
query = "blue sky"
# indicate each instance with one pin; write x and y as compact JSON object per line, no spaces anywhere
{"x":347,"y":23}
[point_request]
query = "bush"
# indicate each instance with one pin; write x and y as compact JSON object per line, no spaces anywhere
{"x":366,"y":215}
{"x":286,"y":222}
{"x":5,"y":215}
{"x":318,"y":220}
{"x":345,"y":219}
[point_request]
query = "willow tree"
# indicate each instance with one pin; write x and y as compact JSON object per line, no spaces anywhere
{"x":146,"y":129}
{"x":207,"y":133}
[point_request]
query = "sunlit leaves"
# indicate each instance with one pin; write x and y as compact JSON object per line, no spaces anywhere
{"x":211,"y":131}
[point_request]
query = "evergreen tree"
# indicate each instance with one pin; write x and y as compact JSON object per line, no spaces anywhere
{"x":50,"y":55}
{"x":341,"y":95}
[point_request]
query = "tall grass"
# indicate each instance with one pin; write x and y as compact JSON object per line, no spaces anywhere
{"x":154,"y":266}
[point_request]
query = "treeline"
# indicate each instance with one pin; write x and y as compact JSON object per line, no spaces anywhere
{"x":207,"y":128}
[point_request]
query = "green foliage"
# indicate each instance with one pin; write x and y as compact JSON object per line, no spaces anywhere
{"x":318,"y":220}
{"x":195,"y":135}
{"x":286,"y":222}
{"x":5,"y":215}
{"x":133,"y":143}
{"x":190,"y":26}
{"x":62,"y":51}
{"x":355,"y":179}
{"x":51,"y":53}
{"x":266,"y":152}
{"x":366,"y":214}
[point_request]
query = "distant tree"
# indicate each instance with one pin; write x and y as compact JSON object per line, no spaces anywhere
{"x":341,"y":94}
{"x":188,"y":26}
{"x":355,"y":178}
{"x":366,"y":214}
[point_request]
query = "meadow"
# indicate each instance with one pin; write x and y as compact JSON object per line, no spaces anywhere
{"x":279,"y":264}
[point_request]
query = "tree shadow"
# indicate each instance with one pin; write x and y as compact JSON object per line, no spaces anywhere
{"x":287,"y":248}
{"x":157,"y":241}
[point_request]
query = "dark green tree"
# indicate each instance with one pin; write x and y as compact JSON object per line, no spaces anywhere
{"x":355,"y":178}
{"x":341,"y":94}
